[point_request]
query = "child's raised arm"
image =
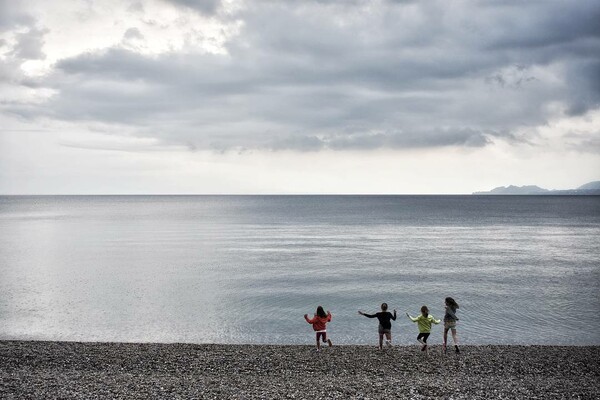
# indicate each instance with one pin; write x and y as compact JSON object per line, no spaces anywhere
{"x":310,"y":321}
{"x":411,"y":318}
{"x":394,"y":315}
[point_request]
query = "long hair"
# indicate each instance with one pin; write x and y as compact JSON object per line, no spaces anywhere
{"x":321,"y":312}
{"x":451,"y":303}
{"x":425,"y":311}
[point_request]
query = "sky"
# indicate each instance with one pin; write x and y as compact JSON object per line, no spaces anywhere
{"x":304,"y":97}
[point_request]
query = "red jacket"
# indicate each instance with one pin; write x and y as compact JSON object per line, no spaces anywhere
{"x":317,"y":322}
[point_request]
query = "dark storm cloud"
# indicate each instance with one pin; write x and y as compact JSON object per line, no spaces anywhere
{"x":531,"y":25}
{"x":584,"y":79}
{"x":315,"y":75}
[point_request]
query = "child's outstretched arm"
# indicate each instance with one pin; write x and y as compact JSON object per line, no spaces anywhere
{"x":411,"y":318}
{"x":435,"y":321}
{"x":367,"y":315}
{"x":310,"y":321}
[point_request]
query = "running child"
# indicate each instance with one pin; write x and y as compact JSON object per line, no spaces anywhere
{"x":319,"y":322}
{"x":450,"y":320}
{"x":385,"y":324}
{"x":424,"y":322}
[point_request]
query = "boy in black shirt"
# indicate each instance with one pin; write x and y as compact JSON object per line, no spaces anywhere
{"x":385,"y":324}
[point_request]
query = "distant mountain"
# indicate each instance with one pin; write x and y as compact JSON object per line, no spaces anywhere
{"x":590,"y":186}
{"x":531,"y":189}
{"x":589,"y":189}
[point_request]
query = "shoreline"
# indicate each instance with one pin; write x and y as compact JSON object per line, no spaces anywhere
{"x":41,"y":369}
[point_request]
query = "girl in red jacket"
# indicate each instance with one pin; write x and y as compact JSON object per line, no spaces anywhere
{"x":319,"y":322}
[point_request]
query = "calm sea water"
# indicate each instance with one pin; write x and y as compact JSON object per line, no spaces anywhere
{"x":245,"y":269}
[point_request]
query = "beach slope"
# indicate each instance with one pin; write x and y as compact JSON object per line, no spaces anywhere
{"x":42,"y":370}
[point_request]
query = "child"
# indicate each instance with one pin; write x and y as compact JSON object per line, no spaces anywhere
{"x":424,"y":321}
{"x":385,"y":325}
{"x":319,"y":322}
{"x":450,"y":319}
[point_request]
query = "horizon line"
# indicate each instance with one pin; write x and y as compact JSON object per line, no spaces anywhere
{"x":481,"y":194}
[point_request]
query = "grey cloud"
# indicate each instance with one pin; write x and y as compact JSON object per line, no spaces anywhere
{"x":12,"y":15}
{"x":532,"y":25}
{"x":515,"y":77}
{"x":207,"y":7}
{"x":584,"y":142}
{"x":133,"y":33}
{"x":29,"y":44}
{"x":584,"y":86}
{"x":136,"y":7}
{"x":383,"y":76}
{"x":377,"y":140}
{"x":9,"y":72}
{"x":298,"y":143}
{"x":413,"y":139}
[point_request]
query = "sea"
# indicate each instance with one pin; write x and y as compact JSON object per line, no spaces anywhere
{"x":245,"y":269}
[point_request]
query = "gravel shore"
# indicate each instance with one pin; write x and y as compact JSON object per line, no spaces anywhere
{"x":45,"y":370}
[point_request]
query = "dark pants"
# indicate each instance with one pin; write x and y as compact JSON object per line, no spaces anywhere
{"x":322,"y":335}
{"x":423,"y":336}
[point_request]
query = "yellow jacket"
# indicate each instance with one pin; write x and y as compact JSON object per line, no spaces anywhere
{"x":424,"y":322}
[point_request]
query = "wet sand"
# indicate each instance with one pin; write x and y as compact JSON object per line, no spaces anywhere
{"x":44,"y":370}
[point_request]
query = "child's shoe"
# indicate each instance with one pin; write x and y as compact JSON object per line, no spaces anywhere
{"x":456,"y":349}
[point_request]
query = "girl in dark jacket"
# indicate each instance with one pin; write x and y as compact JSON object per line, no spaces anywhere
{"x":450,"y":320}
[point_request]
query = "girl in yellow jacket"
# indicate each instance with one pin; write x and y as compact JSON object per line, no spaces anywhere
{"x":424,"y":322}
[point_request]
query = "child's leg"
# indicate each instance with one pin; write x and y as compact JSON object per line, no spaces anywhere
{"x":389,"y":338}
{"x":380,"y":341}
{"x":445,"y":338}
{"x":318,"y":342}
{"x":454,"y":338}
{"x":326,"y":340}
{"x":422,"y":338}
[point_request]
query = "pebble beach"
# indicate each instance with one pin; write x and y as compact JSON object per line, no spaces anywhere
{"x":72,"y":370}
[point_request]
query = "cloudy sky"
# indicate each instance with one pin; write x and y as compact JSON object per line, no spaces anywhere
{"x":313,"y":96}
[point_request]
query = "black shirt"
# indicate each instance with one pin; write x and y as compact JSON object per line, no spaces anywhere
{"x":384,"y":318}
